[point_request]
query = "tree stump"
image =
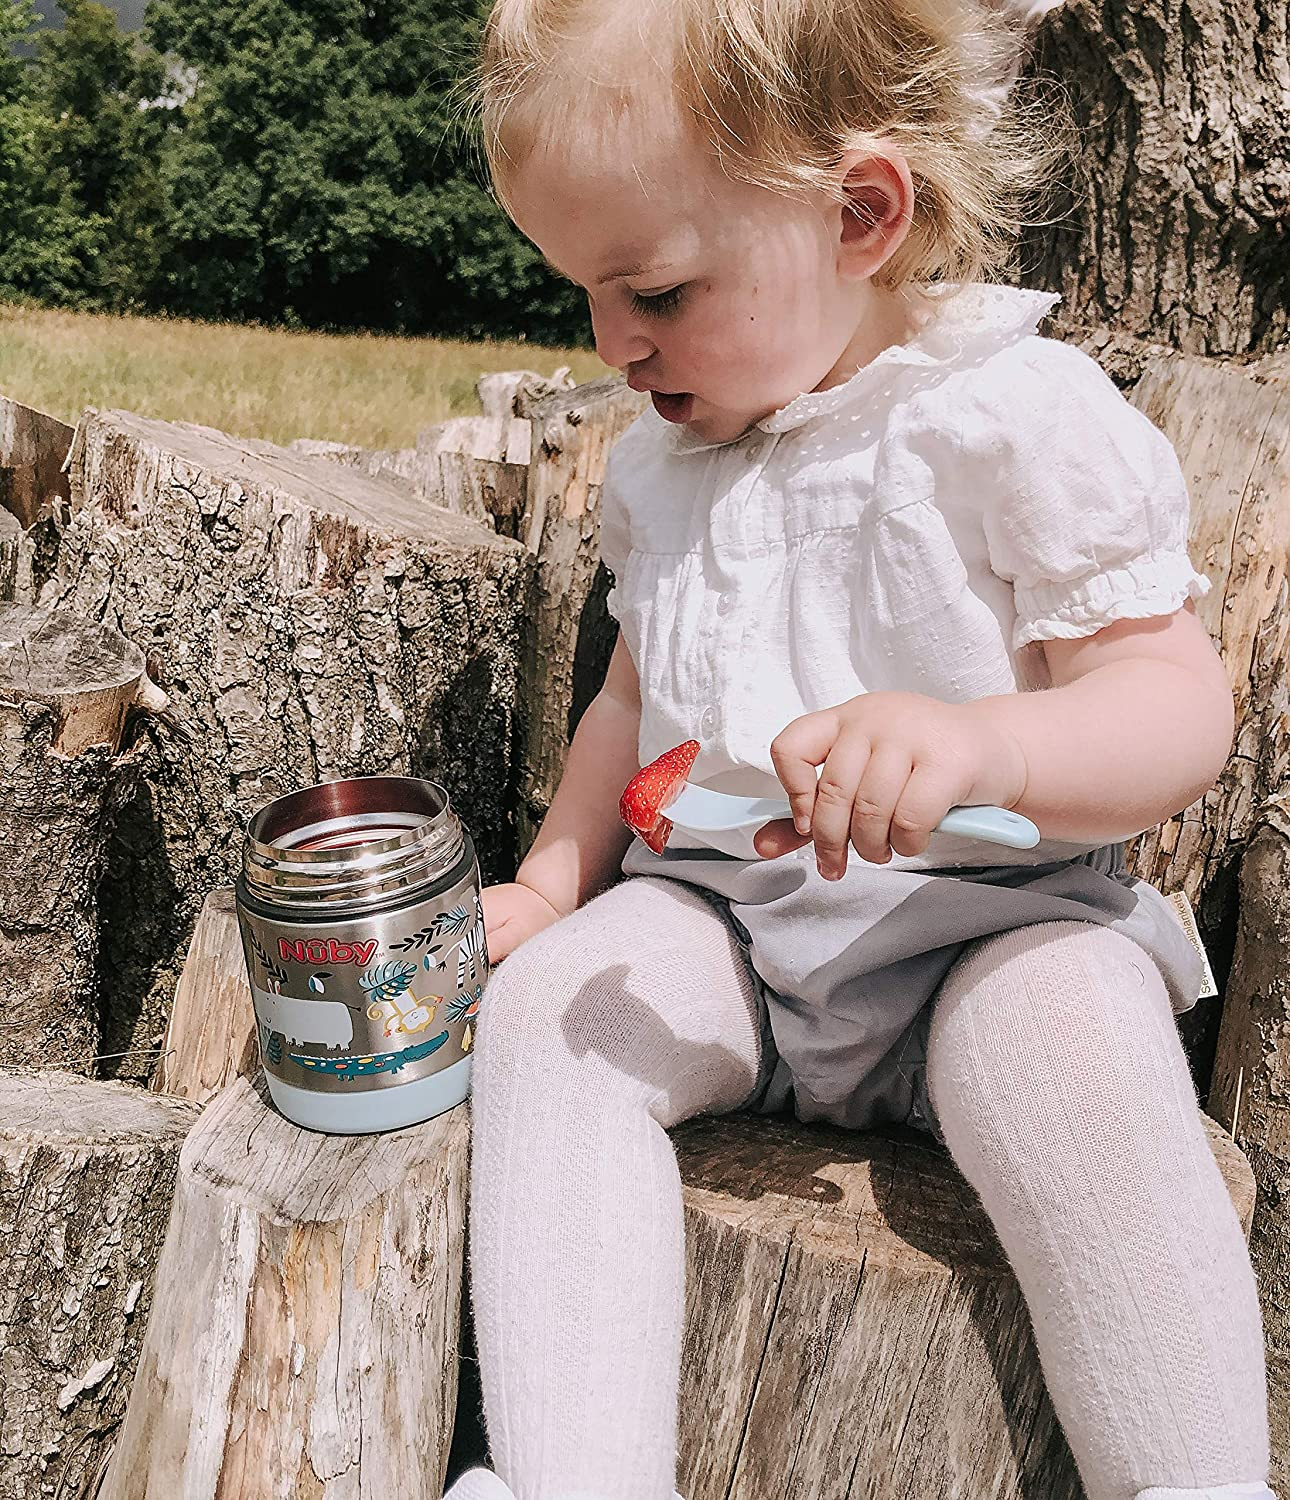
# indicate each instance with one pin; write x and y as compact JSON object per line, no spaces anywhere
{"x":853,"y":1328}
{"x":1251,"y":1090}
{"x":573,"y":432}
{"x":33,"y":449}
{"x":65,"y":688}
{"x":1177,"y":230}
{"x":309,"y":622}
{"x":210,"y":1036}
{"x":86,"y":1176}
{"x":303,"y":1339}
{"x":10,"y":542}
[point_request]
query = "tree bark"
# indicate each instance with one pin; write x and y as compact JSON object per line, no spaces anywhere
{"x":86,"y":1176}
{"x":852,"y":1325}
{"x":210,"y":1036}
{"x":573,"y":432}
{"x":309,"y":622}
{"x":1177,"y":225}
{"x":10,"y":542}
{"x":1251,"y":1089}
{"x":303,"y":1339}
{"x":1232,"y":435}
{"x":65,"y":688}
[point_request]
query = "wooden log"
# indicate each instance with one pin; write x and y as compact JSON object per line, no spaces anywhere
{"x":1251,"y":1089}
{"x":1175,"y":228}
{"x":10,"y":542}
{"x":514,"y":393}
{"x":310,"y":622}
{"x":852,"y":1326}
{"x":86,"y":1176}
{"x":65,"y":689}
{"x":210,"y":1036}
{"x":33,"y":450}
{"x":303,"y":1339}
{"x":1232,"y":434}
{"x":573,"y":432}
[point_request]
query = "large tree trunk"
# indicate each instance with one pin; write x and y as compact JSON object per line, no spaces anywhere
{"x":65,"y":687}
{"x":1251,"y":1090}
{"x":1178,"y":227}
{"x":86,"y":1176}
{"x":309,"y":622}
{"x":303,"y":1339}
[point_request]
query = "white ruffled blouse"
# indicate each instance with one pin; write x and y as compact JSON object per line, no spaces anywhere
{"x":921,"y":527}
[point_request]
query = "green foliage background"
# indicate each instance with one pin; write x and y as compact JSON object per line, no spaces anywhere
{"x":307,"y":162}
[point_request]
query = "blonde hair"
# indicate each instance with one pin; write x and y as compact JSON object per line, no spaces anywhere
{"x":780,"y":90}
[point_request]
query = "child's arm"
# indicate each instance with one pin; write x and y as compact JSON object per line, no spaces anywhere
{"x":582,"y":840}
{"x":1137,"y":724}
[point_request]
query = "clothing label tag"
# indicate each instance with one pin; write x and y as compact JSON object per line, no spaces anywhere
{"x":1183,"y":911}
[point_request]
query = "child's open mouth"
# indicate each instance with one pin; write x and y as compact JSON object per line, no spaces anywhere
{"x":673,"y":406}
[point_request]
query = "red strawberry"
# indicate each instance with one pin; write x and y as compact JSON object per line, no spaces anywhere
{"x":654,"y":788}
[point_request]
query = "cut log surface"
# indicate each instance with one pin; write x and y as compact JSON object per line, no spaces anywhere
{"x":65,"y":687}
{"x":1232,"y":434}
{"x":303,"y":1339}
{"x":210,"y":1037}
{"x":853,"y":1331}
{"x":309,"y":622}
{"x":1251,"y":1090}
{"x":33,"y":449}
{"x":573,"y":433}
{"x":86,"y":1176}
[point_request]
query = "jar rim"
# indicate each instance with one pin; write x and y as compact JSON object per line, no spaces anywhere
{"x":276,"y":866}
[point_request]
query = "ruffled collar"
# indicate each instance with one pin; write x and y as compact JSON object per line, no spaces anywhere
{"x":961,"y":319}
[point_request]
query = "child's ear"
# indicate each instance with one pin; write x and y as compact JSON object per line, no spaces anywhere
{"x":875,"y":212}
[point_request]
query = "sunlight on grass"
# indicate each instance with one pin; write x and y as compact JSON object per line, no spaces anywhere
{"x":373,"y":391}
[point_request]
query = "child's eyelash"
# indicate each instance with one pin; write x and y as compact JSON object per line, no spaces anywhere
{"x":658,"y":304}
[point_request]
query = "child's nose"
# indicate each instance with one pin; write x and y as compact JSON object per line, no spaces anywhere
{"x":620,"y":339}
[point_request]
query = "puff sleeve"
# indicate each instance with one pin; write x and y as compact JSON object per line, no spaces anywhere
{"x":1084,"y":504}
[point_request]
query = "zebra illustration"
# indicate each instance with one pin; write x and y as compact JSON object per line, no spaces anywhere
{"x":472,"y":954}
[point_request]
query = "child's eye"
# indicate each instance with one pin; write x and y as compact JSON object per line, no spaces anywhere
{"x":658,"y":304}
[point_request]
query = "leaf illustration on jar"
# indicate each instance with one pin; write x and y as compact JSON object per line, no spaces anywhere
{"x":385,"y":981}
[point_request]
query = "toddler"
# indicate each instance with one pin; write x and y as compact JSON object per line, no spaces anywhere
{"x":879,"y":545}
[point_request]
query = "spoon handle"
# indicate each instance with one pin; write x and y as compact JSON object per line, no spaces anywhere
{"x":996,"y":825}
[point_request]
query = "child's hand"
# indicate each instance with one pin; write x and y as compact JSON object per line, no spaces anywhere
{"x":513,"y":913}
{"x":894,"y":764}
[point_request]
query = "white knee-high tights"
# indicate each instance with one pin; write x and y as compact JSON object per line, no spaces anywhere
{"x":1061,"y":1086}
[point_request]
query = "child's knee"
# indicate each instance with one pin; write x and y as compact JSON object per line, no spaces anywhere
{"x":1032,"y":1017}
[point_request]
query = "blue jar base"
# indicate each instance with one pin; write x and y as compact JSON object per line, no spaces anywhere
{"x":377,"y":1109}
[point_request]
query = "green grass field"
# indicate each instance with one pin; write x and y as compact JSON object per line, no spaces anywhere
{"x":372,"y":391}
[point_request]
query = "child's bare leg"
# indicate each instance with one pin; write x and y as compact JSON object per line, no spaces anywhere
{"x":1055,"y":1068}
{"x":635,"y":1013}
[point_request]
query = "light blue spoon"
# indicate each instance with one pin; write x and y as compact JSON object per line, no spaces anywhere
{"x":726,"y":822}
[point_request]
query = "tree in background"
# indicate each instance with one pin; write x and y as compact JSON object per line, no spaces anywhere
{"x":102,"y":130}
{"x":322,"y":175}
{"x":47,"y":245}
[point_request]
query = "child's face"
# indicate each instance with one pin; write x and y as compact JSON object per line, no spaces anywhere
{"x":724,"y":301}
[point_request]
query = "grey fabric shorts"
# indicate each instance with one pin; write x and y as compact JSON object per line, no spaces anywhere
{"x":847,"y":970}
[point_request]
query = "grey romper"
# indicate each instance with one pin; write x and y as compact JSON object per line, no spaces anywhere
{"x":848,"y":969}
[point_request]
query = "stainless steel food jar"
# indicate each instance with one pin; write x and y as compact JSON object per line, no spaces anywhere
{"x":361,"y":921}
